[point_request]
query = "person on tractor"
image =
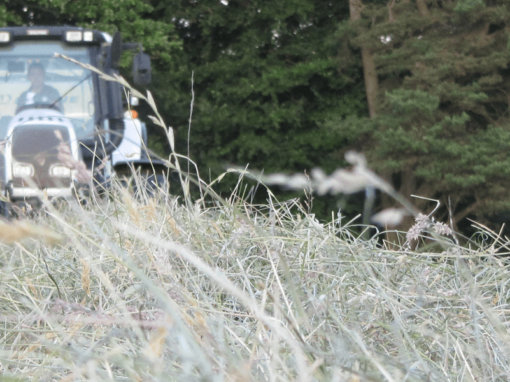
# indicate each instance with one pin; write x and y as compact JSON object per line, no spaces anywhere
{"x":39,"y":93}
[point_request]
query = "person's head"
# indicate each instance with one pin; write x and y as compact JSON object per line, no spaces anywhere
{"x":36,"y":75}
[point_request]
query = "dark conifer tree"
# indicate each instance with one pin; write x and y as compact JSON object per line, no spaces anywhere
{"x":443,"y":128}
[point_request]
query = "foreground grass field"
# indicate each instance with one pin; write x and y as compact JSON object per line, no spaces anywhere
{"x":128,"y":289}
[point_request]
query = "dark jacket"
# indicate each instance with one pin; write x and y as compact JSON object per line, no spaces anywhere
{"x":47,"y":96}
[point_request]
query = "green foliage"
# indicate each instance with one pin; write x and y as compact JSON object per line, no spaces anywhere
{"x":410,"y":102}
{"x":7,"y":17}
{"x":464,"y":6}
{"x":442,"y":123}
{"x":266,"y":83}
{"x":134,"y":18}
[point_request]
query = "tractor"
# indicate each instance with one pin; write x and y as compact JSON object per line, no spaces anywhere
{"x":64,"y":127}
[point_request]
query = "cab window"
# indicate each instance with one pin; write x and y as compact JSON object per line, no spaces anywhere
{"x":67,"y":86}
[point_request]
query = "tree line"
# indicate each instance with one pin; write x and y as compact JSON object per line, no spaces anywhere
{"x":421,"y":87}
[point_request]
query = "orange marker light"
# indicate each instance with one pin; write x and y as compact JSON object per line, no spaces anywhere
{"x":134,"y":114}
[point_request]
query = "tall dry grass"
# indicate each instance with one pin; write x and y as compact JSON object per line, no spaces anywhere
{"x":136,"y":288}
{"x":150,"y":289}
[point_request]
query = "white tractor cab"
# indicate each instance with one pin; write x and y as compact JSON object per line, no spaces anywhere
{"x":60,"y":121}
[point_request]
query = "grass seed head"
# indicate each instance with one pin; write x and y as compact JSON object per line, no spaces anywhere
{"x":16,"y":231}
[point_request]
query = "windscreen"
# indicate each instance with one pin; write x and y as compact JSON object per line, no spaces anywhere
{"x":31,"y":75}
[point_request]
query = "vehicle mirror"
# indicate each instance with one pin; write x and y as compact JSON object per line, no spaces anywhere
{"x":142,"y":69}
{"x":16,"y":66}
{"x":115,"y":50}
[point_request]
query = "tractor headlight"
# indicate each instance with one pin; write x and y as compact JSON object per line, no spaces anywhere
{"x":5,"y":37}
{"x":74,"y":36}
{"x":60,"y":171}
{"x":88,"y":36}
{"x":22,"y":170}
{"x":79,"y":36}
